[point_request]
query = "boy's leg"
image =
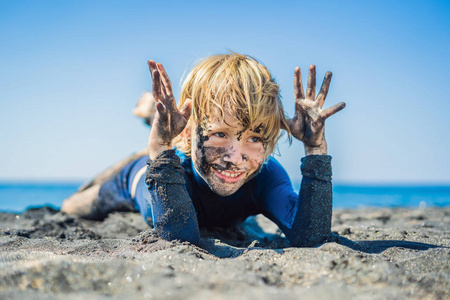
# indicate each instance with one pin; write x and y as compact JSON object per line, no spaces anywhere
{"x":81,"y":203}
{"x":112,"y":194}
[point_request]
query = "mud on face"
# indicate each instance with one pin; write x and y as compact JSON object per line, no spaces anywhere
{"x":210,"y":160}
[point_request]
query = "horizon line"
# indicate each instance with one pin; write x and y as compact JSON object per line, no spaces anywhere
{"x":374,"y":183}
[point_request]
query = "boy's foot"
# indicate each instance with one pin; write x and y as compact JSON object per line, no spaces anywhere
{"x":146,"y":108}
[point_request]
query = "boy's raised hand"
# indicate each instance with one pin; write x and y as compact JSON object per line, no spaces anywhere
{"x":307,"y":125}
{"x":169,"y":121}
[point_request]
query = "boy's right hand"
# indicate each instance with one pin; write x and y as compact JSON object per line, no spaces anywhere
{"x":169,"y":121}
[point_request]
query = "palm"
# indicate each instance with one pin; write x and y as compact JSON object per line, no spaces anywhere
{"x":307,"y":123}
{"x":169,"y":120}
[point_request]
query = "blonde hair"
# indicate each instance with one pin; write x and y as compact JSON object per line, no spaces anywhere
{"x":239,"y":85}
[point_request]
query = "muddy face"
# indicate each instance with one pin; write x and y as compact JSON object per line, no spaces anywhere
{"x":226,"y":154}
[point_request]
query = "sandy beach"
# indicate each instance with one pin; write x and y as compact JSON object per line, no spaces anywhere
{"x":377,"y":253}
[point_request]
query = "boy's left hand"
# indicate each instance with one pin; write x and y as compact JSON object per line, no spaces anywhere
{"x":308,"y":123}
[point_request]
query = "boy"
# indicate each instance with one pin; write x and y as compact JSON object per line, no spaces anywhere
{"x":225,"y":129}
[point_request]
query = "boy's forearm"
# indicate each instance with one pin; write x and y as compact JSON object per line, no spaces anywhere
{"x":174,"y":216}
{"x":312,"y":224}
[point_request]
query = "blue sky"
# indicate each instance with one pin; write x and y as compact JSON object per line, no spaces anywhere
{"x":71,"y":71}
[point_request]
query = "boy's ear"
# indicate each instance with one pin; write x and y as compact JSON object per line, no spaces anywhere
{"x":186,"y":134}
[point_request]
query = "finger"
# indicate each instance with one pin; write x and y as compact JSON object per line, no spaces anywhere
{"x":164,"y":82}
{"x":157,"y":86}
{"x":298,"y":85}
{"x":152,"y":66}
{"x":324,"y":114}
{"x":324,"y":89}
{"x":165,"y":79}
{"x":163,"y":88}
{"x":156,"y":81}
{"x":311,"y":90}
{"x":187,"y":109}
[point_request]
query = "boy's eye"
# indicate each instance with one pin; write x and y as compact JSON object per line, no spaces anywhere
{"x":254,"y":139}
{"x":220,"y":134}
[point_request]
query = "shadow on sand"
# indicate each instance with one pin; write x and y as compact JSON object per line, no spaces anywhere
{"x":231,"y":247}
{"x":378,"y":246}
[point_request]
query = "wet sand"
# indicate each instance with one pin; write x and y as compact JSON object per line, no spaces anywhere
{"x":377,"y":254}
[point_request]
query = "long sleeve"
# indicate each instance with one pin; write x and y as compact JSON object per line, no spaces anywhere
{"x":305,"y":219}
{"x":312,"y":223}
{"x":173,"y":213}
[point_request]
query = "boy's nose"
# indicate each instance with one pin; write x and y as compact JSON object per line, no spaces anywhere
{"x":235,"y":155}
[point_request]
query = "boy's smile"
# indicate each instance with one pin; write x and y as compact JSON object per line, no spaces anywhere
{"x":228,"y":176}
{"x":226,"y":154}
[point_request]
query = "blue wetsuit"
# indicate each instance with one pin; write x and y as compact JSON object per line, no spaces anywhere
{"x":180,"y":201}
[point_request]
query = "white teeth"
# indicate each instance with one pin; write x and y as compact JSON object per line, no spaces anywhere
{"x":229,"y":175}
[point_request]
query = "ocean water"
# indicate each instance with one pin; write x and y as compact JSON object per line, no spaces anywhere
{"x":16,"y":197}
